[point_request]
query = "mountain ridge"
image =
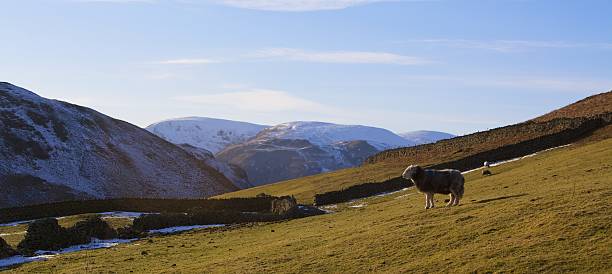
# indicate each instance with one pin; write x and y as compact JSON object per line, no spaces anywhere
{"x":54,"y":151}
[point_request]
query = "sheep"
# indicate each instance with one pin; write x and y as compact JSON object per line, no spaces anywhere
{"x":487,"y":164}
{"x":429,"y":182}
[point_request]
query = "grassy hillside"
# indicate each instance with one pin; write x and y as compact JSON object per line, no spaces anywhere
{"x":305,"y":188}
{"x":587,"y":107}
{"x":548,"y":213}
{"x":391,"y":163}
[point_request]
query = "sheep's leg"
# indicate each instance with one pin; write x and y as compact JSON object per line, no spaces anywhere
{"x":431,"y":200}
{"x":456,"y":201}
{"x":426,"y":200}
{"x":451,"y":201}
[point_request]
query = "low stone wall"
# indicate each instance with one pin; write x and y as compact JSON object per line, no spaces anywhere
{"x":361,"y":191}
{"x":256,"y":204}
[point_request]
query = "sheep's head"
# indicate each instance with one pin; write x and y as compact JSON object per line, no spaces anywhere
{"x":412,"y":172}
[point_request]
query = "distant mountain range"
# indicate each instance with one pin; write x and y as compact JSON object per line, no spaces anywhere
{"x":208,"y":133}
{"x":55,"y":151}
{"x":289,"y":150}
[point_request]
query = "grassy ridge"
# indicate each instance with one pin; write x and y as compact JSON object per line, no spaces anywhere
{"x":548,"y":213}
{"x":503,"y":143}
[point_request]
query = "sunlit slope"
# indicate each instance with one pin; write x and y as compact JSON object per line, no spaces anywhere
{"x":547,"y":213}
{"x":305,"y":188}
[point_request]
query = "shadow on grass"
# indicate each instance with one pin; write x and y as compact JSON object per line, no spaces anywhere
{"x":500,"y":198}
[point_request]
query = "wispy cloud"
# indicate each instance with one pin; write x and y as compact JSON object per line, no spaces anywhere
{"x":268,"y":5}
{"x":511,"y":45}
{"x":258,"y":100}
{"x":533,"y":82}
{"x":115,"y":1}
{"x":346,"y":57}
{"x":297,"y":5}
{"x":187,"y":61}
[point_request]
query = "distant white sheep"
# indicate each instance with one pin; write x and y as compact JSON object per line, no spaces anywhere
{"x":487,"y":164}
{"x":429,"y":182}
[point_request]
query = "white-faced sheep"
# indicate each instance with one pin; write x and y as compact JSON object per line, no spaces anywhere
{"x":430,"y":182}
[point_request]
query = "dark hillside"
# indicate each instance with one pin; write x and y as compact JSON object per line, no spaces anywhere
{"x":587,"y":107}
{"x":463,"y":146}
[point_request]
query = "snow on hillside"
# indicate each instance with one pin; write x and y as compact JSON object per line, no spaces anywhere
{"x":232,"y":172}
{"x":324,"y":134}
{"x":425,"y":136}
{"x":208,"y":133}
{"x":56,"y":151}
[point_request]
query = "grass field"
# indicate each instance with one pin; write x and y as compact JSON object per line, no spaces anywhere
{"x":305,"y":188}
{"x":547,"y":213}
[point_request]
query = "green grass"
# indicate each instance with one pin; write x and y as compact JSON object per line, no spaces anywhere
{"x":548,"y":213}
{"x":305,"y":188}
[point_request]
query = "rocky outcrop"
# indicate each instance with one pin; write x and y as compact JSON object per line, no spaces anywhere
{"x":6,"y":250}
{"x":47,"y":234}
{"x":93,"y":227}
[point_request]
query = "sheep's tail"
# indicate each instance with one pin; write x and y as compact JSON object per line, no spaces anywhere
{"x":461,"y":187}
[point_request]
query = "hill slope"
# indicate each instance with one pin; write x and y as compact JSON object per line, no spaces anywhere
{"x":587,"y":107}
{"x":299,"y":149}
{"x":390,"y":163}
{"x":211,"y":134}
{"x":53,"y":151}
{"x":425,"y":136}
{"x":323,"y":134}
{"x":549,"y":213}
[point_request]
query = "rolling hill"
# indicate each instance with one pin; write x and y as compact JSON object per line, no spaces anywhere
{"x":421,"y":137}
{"x":299,"y":149}
{"x":55,"y":151}
{"x":588,"y":107}
{"x":544,"y":214}
{"x":390,"y":163}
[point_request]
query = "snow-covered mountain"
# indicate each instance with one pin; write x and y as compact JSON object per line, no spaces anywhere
{"x":323,"y":134}
{"x":298,"y":149}
{"x":425,"y":137}
{"x":54,"y":151}
{"x":271,"y":160}
{"x":208,"y":133}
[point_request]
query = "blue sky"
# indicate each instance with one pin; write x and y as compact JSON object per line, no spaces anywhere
{"x":452,"y":65}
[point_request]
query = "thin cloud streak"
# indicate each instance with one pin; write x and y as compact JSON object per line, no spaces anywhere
{"x":116,"y":1}
{"x":511,"y":45}
{"x":268,"y":5}
{"x":340,"y":57}
{"x":258,"y":100}
{"x":544,"y":84}
{"x":197,"y":61}
{"x":297,"y":5}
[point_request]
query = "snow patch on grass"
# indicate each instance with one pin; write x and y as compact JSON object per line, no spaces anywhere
{"x":515,"y":159}
{"x":122,"y":214}
{"x":42,"y":255}
{"x":176,"y":229}
{"x":358,"y":205}
{"x":9,"y":234}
